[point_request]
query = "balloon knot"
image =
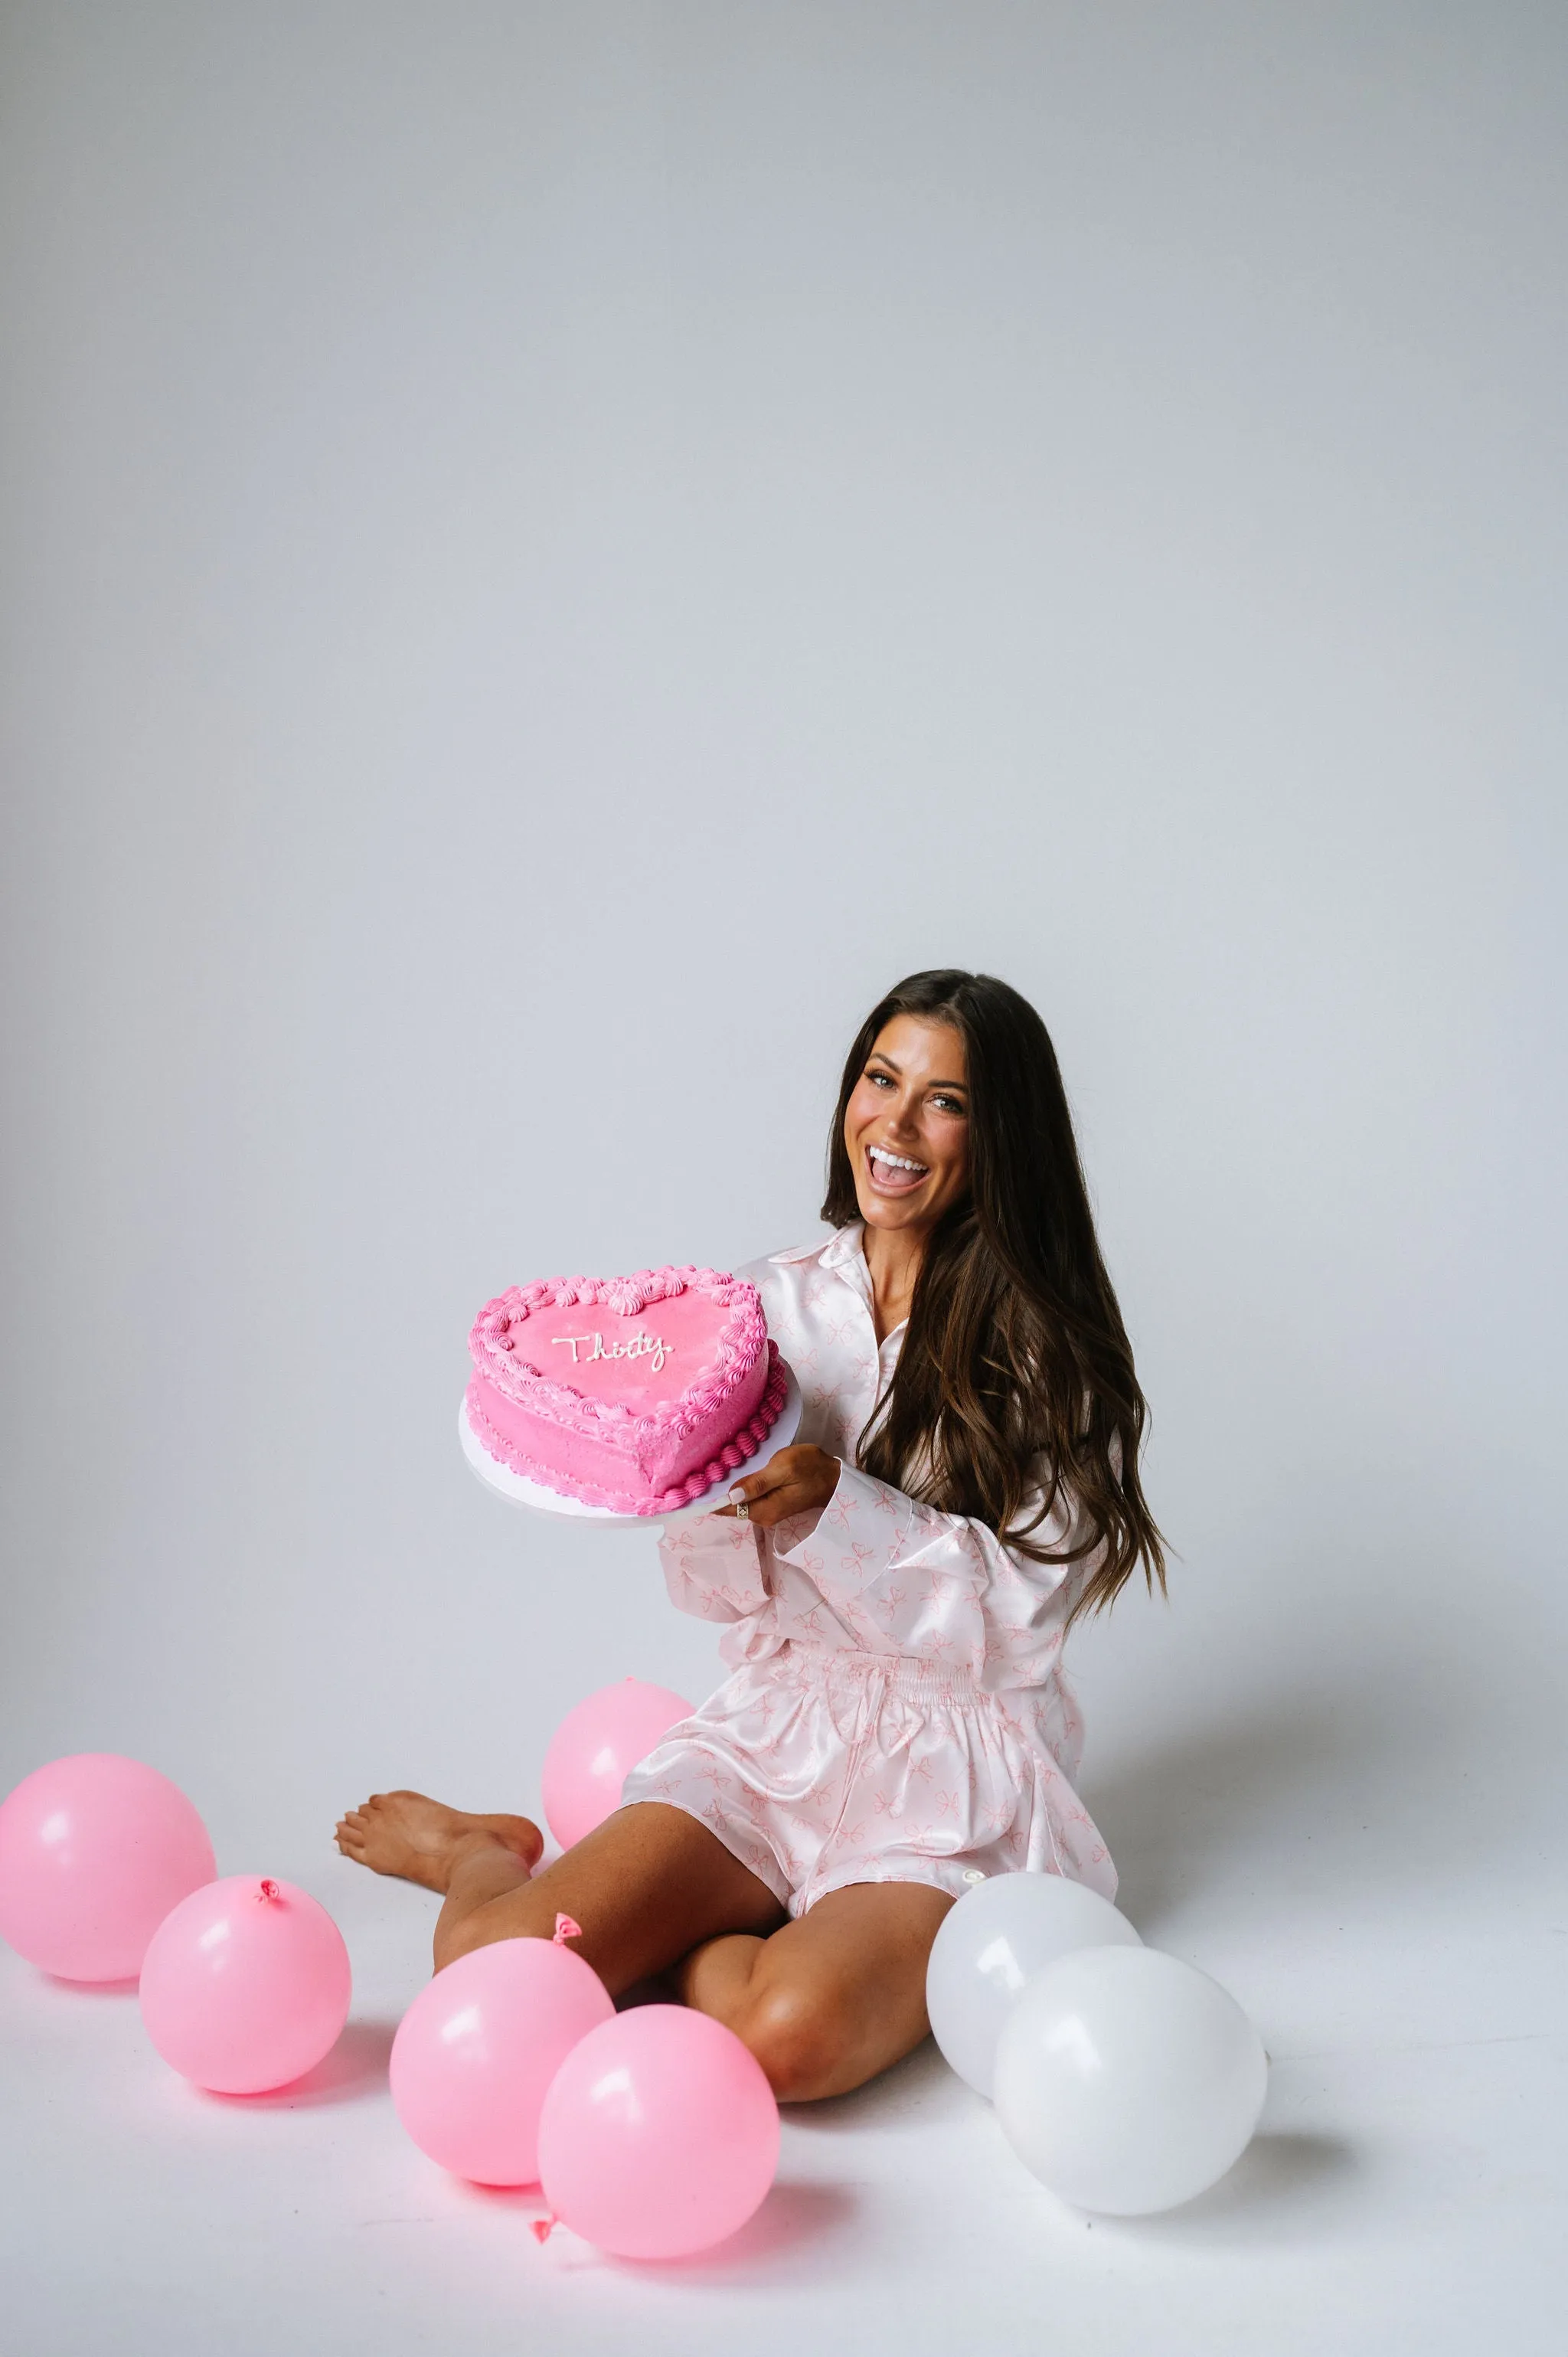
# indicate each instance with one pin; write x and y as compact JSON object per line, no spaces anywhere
{"x":269,"y":1890}
{"x":565,"y":1930}
{"x":541,"y":2227}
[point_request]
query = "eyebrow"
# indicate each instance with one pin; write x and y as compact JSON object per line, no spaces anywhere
{"x":877,"y":1057}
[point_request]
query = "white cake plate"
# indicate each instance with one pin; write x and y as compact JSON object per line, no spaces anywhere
{"x":520,"y":1492}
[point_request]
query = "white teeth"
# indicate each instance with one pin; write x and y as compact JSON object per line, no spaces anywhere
{"x":897,"y":1162}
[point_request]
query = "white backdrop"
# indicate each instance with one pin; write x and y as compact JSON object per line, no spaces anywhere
{"x":549,"y":556}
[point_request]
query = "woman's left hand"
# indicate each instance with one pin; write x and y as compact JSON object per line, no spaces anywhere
{"x":797,"y":1481}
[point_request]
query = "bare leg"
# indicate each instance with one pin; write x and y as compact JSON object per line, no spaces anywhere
{"x":646,"y":1886}
{"x":827,"y":2002}
{"x":824,"y":2004}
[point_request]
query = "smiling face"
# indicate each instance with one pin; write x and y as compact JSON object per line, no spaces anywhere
{"x":907,"y":1126}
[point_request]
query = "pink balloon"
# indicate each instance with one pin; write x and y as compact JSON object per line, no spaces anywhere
{"x":477,"y":2048}
{"x":245,"y":1986}
{"x":95,"y":1850}
{"x":659,"y":2136}
{"x":594,"y":1749}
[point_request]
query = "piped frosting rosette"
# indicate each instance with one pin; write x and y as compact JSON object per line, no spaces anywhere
{"x":634,"y":1394}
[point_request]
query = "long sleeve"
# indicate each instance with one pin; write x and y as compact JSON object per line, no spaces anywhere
{"x":713,"y":1568}
{"x":896,"y":1709}
{"x":900,"y":1577}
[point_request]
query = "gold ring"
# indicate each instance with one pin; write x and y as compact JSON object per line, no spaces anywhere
{"x":742,"y":1510}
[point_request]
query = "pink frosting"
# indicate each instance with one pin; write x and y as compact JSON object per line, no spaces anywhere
{"x":635,"y":1392}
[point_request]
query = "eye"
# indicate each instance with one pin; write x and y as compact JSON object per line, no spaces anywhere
{"x":879,"y":1080}
{"x":949,"y":1104}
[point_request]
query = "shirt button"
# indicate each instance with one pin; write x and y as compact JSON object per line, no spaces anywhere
{"x":972,"y":1874}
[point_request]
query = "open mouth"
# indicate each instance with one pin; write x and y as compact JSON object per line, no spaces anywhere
{"x":894,"y":1174}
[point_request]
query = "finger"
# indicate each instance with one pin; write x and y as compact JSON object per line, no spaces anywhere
{"x":773,"y":1476}
{"x":751,"y":1494}
{"x":790,"y":1498}
{"x":734,"y":1511}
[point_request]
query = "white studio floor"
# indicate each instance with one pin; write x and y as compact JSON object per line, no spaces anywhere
{"x":550,"y":553}
{"x":1405,"y":2192}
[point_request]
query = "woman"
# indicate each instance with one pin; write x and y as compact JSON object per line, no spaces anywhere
{"x":897,"y":1586}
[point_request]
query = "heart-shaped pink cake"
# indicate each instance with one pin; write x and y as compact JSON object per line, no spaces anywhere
{"x":635,"y":1393}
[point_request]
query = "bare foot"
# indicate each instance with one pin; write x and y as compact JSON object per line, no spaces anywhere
{"x":406,"y":1835}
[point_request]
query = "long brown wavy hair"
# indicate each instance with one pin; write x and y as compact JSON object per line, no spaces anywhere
{"x":1015,"y":1358}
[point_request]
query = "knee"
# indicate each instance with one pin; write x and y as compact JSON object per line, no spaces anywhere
{"x":482,"y":1929}
{"x":461,"y":1940}
{"x":799,"y":2041}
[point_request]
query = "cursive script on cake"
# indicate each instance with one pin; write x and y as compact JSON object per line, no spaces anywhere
{"x":638,"y":1346}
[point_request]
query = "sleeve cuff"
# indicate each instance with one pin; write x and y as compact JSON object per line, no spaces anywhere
{"x":861,"y":1508}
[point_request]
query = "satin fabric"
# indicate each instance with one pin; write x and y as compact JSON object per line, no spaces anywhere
{"x":897,"y":1710}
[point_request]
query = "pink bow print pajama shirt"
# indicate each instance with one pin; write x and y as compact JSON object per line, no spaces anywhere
{"x":897,"y":1710}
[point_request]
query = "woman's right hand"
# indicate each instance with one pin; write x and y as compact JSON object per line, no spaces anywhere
{"x":798,"y":1480}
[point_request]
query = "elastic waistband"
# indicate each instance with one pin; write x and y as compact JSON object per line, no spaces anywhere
{"x":841,"y":1668}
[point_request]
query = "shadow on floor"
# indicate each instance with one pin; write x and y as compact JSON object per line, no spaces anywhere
{"x":1322,"y":1767}
{"x":91,"y":1988}
{"x":798,"y":2216}
{"x":356,"y":2067}
{"x":921,"y":2083}
{"x":1274,"y":2191}
{"x":799,"y":2219}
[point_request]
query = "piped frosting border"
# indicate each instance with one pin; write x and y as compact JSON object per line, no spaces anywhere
{"x":743,"y":1445}
{"x":493,"y":1344}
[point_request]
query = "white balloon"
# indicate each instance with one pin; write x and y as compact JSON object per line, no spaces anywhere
{"x":998,"y":1936}
{"x":1127,"y":2081}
